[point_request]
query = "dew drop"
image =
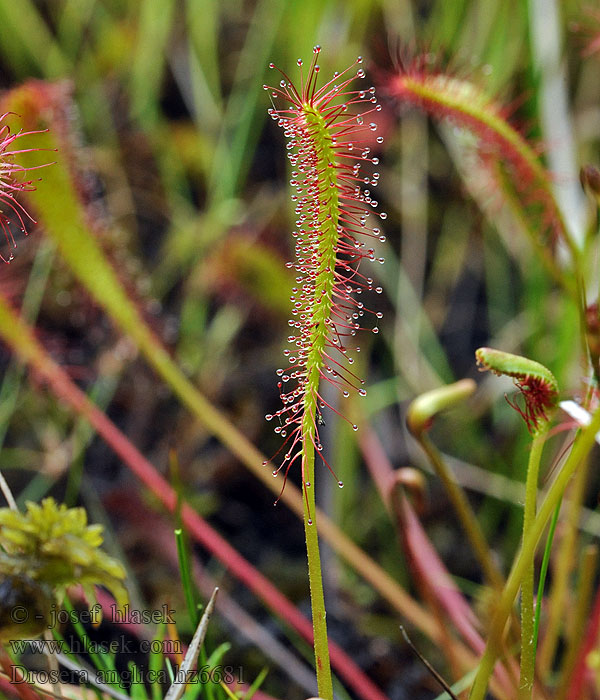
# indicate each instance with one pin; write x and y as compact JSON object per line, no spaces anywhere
{"x":274,"y":472}
{"x":373,"y":127}
{"x":265,"y":463}
{"x":375,"y":330}
{"x":360,"y":73}
{"x":269,"y":416}
{"x":271,"y":65}
{"x":341,"y":484}
{"x":309,"y":521}
{"x":362,"y":392}
{"x":378,"y":290}
{"x":299,"y":61}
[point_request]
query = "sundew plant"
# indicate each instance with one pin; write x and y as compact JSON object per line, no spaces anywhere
{"x":453,"y":391}
{"x":328,"y":145}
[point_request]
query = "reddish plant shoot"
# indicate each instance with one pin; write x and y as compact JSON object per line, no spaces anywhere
{"x":13,"y":180}
{"x":328,"y":142}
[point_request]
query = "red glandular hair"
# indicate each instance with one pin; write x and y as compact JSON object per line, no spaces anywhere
{"x":13,"y":180}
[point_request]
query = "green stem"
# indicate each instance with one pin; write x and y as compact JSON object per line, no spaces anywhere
{"x":315,"y":577}
{"x":527,"y":611}
{"x":543,"y":572}
{"x":465,"y":513}
{"x":581,"y":448}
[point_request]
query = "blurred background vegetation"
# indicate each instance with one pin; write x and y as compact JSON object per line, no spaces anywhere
{"x":187,"y":179}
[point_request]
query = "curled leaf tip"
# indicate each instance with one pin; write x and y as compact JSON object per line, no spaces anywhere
{"x":536,"y":383}
{"x":425,"y":407}
{"x":412,"y":481}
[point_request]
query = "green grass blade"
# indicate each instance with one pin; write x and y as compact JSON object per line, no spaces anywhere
{"x":189,"y":588}
{"x":149,"y":58}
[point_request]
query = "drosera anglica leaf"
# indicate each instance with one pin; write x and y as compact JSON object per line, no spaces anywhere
{"x":328,"y":142}
{"x":512,"y":161}
{"x":536,"y":382}
{"x":13,"y":180}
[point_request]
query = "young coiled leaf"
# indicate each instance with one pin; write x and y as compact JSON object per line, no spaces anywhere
{"x":536,"y":383}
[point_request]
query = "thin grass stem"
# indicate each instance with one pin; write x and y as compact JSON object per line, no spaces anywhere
{"x":527,"y":586}
{"x":543,"y":572}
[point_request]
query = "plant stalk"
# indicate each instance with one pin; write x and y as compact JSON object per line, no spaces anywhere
{"x":465,"y":513}
{"x":315,"y":577}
